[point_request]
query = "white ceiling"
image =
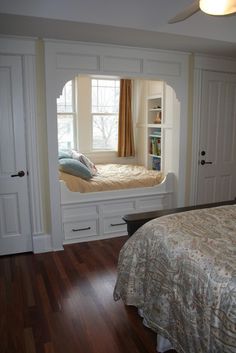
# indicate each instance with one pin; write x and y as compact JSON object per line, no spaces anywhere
{"x":126,"y":22}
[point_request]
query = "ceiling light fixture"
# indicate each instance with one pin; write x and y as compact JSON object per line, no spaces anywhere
{"x":218,"y":7}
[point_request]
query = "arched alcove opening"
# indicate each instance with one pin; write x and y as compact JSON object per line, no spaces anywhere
{"x":66,"y":60}
{"x":75,"y":120}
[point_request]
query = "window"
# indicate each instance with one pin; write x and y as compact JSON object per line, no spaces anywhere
{"x":105,"y":109}
{"x":66,"y":117}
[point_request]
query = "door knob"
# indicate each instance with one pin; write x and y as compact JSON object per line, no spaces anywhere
{"x":204,"y":162}
{"x":20,"y":174}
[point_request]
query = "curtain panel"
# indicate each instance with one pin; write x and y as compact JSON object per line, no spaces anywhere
{"x":125,"y":129}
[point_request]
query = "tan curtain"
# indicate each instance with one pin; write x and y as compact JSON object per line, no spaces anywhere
{"x":125,"y":130}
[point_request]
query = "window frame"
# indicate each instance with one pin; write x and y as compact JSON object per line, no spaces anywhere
{"x":101,"y":150}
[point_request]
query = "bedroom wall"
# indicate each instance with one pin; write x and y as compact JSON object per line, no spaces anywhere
{"x":45,"y":127}
{"x":43,"y":141}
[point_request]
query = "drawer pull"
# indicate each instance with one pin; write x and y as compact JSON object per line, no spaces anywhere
{"x":117,"y":224}
{"x":79,"y":229}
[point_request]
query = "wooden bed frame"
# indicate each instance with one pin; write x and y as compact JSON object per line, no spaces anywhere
{"x":99,"y":215}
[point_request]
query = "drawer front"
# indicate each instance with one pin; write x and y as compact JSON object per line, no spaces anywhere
{"x":115,"y":225}
{"x":72,"y":213}
{"x":81,"y":229}
{"x":116,"y":208}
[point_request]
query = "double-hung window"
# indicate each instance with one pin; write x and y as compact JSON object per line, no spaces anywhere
{"x":66,"y":117}
{"x":104,"y":111}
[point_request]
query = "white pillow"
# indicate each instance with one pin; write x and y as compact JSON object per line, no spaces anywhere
{"x":85,"y":160}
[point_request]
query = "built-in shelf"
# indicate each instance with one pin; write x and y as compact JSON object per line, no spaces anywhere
{"x":154,"y":131}
{"x":154,"y":155}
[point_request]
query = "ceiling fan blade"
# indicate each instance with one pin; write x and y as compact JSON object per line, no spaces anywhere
{"x":189,"y":11}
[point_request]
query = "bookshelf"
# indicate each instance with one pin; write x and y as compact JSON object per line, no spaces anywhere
{"x":154,"y":132}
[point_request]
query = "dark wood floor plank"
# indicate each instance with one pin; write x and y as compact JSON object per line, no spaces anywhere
{"x":62,"y":302}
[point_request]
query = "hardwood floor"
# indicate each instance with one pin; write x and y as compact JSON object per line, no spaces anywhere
{"x":62,"y":302}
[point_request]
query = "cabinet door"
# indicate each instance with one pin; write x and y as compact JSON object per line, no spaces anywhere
{"x":15,"y":230}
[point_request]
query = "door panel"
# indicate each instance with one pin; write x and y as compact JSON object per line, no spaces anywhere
{"x":15,"y":231}
{"x":217,"y":177}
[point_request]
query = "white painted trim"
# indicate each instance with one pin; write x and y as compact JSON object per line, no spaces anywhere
{"x":14,"y":45}
{"x":42,"y":243}
{"x":64,"y":60}
{"x":204,"y":62}
{"x":59,"y":42}
{"x":32,"y":145}
{"x":195,"y":135}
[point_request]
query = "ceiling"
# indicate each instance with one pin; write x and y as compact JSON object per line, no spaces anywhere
{"x":141,"y":23}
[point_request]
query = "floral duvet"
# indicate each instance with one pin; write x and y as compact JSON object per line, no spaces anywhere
{"x":180,"y":271}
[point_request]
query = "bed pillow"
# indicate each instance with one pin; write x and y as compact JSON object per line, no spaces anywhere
{"x":86,"y":161}
{"x":74,"y":167}
{"x":64,"y":154}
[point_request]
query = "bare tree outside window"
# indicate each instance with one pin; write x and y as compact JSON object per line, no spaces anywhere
{"x":105,"y":108}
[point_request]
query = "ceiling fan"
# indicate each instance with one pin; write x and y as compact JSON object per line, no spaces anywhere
{"x":211,"y":7}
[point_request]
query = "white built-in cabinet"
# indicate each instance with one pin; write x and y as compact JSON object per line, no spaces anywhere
{"x":154,"y":117}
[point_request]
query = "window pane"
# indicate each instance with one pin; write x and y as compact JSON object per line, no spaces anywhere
{"x":105,"y":132}
{"x":65,"y":101}
{"x":105,"y":96}
{"x":65,"y":132}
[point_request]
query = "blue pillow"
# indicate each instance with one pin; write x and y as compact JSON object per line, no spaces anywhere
{"x":64,"y":154}
{"x":74,"y":167}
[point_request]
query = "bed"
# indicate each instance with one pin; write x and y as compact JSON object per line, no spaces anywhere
{"x":111,"y":177}
{"x":180,"y":272}
{"x":95,"y":212}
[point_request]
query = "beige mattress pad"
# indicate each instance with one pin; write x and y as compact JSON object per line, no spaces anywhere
{"x":114,"y":177}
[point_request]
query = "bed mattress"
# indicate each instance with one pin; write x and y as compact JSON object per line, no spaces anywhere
{"x":180,"y":271}
{"x":114,"y":177}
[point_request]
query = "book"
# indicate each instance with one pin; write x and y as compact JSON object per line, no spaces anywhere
{"x":156,"y":163}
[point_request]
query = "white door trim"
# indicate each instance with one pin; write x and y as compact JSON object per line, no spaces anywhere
{"x":202,"y":63}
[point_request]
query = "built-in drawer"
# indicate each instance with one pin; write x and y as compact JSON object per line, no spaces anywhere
{"x":74,"y":212}
{"x":81,"y":229}
{"x":114,"y":225}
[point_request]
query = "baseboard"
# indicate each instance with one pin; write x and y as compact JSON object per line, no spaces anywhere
{"x":42,"y":243}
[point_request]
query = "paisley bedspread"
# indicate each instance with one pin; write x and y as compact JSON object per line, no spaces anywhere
{"x":180,"y":271}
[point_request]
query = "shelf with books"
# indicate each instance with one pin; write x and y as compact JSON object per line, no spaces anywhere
{"x":156,"y":163}
{"x":154,"y":131}
{"x":155,"y":146}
